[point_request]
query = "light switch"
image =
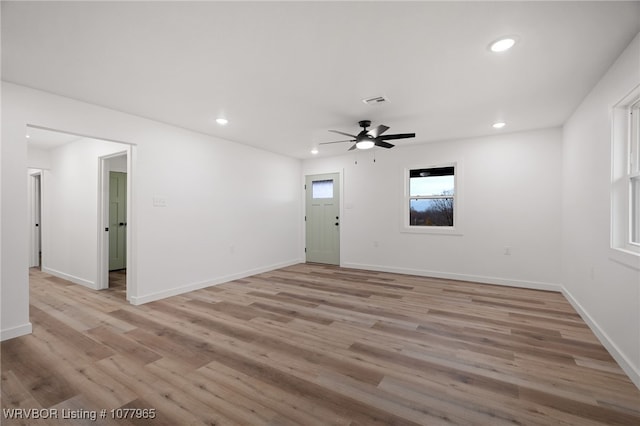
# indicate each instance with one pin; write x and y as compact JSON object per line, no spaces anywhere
{"x":159,"y":202}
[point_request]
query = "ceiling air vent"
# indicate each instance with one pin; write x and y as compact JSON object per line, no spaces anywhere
{"x":376,"y":100}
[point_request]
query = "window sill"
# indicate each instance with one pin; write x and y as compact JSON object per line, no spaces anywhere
{"x":436,"y":230}
{"x":625,"y":257}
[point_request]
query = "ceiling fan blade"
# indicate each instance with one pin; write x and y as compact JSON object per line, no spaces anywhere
{"x":378,"y":130}
{"x":328,"y":143}
{"x":398,"y":136}
{"x":353,"y":147}
{"x":383,"y":144}
{"x":343,"y":133}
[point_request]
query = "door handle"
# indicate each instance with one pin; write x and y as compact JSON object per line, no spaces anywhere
{"x":121,"y":224}
{"x":336,"y":224}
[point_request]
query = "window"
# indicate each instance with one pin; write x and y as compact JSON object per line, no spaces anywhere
{"x":625,"y":176}
{"x":634,"y":174}
{"x":635,"y":210}
{"x":431,"y":199}
{"x":322,"y":189}
{"x":431,"y":194}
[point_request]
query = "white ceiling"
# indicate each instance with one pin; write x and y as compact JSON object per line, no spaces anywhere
{"x":284,"y":73}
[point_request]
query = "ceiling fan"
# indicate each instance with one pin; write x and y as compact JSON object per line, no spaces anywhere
{"x":367,"y":139}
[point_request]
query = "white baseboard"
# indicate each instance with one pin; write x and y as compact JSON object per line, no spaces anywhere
{"x":627,"y":366}
{"x":17,"y":331}
{"x":139,"y":300}
{"x":76,"y":280}
{"x":534,"y":285}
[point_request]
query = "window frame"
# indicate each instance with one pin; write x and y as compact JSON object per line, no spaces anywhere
{"x":633,"y":172}
{"x":456,"y":229}
{"x":625,"y":156}
{"x":634,"y":207}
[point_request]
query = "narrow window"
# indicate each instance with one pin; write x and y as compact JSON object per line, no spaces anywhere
{"x":322,"y":189}
{"x":634,"y":173}
{"x":635,"y":210}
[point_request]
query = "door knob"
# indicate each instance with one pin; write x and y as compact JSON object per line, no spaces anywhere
{"x":121,"y":224}
{"x":337,"y":224}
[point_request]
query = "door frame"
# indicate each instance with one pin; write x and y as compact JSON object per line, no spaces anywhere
{"x":103,"y":221}
{"x":35,"y":217}
{"x":340,"y":209}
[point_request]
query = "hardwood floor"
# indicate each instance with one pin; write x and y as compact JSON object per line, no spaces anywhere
{"x":118,"y":283}
{"x":314,"y":345}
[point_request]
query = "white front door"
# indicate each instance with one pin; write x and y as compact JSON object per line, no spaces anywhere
{"x":323,"y":218}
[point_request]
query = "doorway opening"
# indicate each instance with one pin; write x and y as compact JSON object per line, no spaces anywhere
{"x":114,"y":201}
{"x":69,"y":186}
{"x":35,"y":217}
{"x":114,"y":211}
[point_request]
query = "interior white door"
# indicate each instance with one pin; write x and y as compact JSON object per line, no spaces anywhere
{"x":323,"y":218}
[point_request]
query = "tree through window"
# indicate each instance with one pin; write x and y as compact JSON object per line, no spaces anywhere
{"x":432,"y":196}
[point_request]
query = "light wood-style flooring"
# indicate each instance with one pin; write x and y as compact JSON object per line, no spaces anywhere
{"x":118,"y":283}
{"x":316,"y":345}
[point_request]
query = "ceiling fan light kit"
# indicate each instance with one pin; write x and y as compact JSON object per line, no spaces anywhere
{"x":367,"y":139}
{"x":365,"y":144}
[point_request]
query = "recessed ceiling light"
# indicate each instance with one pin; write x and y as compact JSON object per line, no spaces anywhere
{"x":222,"y":121}
{"x":502,"y":45}
{"x":28,"y":136}
{"x":314,"y":151}
{"x":499,"y":125}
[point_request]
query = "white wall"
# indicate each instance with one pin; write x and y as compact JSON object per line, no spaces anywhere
{"x":14,"y":290}
{"x":117,"y":164}
{"x":602,"y":284}
{"x":70,"y":210}
{"x":510,"y":197}
{"x":231,"y":210}
{"x":38,"y":158}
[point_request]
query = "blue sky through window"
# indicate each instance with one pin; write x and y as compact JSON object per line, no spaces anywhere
{"x":431,"y":185}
